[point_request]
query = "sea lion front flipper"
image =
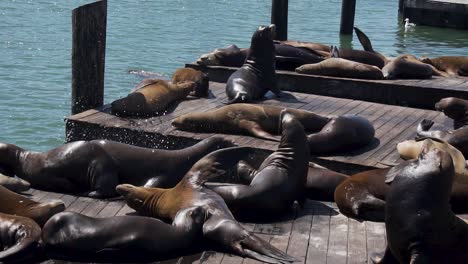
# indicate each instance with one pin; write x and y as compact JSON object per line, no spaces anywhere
{"x":254,"y":129}
{"x":233,"y":236}
{"x":214,"y":165}
{"x":364,"y":40}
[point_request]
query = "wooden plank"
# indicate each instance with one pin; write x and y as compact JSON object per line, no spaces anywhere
{"x":375,"y":237}
{"x":319,"y":237}
{"x":300,"y":233}
{"x":79,"y":204}
{"x":338,"y":240}
{"x":94,"y":207}
{"x":111,"y":209}
{"x":125,"y":210}
{"x":357,"y":251}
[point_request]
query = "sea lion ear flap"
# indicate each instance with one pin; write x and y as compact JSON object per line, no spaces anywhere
{"x":391,"y":174}
{"x":215,"y":164}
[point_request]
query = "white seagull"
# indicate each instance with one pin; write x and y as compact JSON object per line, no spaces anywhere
{"x":408,"y":24}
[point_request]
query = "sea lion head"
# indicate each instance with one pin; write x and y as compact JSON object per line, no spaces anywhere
{"x":426,"y":60}
{"x":8,"y":159}
{"x":262,"y":39}
{"x":452,"y":107}
{"x":14,"y":184}
{"x":290,"y":126}
{"x":228,"y":56}
{"x":135,"y":196}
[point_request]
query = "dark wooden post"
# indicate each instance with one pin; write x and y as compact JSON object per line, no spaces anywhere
{"x":88,"y":55}
{"x":279,"y":17}
{"x":401,"y":4}
{"x":348,"y":8}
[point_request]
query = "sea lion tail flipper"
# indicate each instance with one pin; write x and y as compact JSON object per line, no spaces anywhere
{"x":334,"y":52}
{"x":240,"y":98}
{"x":254,"y":129}
{"x":364,"y":40}
{"x":215,"y":164}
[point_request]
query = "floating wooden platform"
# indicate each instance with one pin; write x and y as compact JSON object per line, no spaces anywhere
{"x":392,"y":123}
{"x":438,"y":13}
{"x":414,"y":93}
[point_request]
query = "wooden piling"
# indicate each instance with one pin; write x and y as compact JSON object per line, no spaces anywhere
{"x":279,"y":17}
{"x":88,"y":55}
{"x":348,"y":8}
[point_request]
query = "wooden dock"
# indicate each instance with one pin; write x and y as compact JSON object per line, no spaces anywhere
{"x":413,"y":93}
{"x":392,"y":123}
{"x":437,"y":13}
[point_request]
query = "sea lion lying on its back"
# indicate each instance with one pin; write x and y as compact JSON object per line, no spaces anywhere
{"x":151,"y":96}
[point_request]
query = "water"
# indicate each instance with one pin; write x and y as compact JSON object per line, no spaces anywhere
{"x":160,"y":36}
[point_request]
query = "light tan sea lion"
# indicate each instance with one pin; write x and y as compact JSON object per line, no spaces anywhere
{"x":338,"y":67}
{"x":152,"y":96}
{"x":409,"y":67}
{"x":452,"y":65}
{"x":200,"y":79}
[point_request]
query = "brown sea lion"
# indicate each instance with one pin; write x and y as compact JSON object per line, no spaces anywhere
{"x":200,"y":79}
{"x":220,"y":225}
{"x":457,"y":110}
{"x":362,"y":56}
{"x":94,"y":168}
{"x":19,"y":239}
{"x":15,"y":204}
{"x":78,"y":237}
{"x":151,"y":97}
{"x":312,"y":46}
{"x":257,"y":76}
{"x":362,"y":196}
{"x":335,"y":133}
{"x":281,"y":178}
{"x":367,"y":44}
{"x":14,"y":184}
{"x":338,"y":67}
{"x":452,"y":65}
{"x":409,"y":67}
{"x":231,"y":56}
{"x":420,"y":226}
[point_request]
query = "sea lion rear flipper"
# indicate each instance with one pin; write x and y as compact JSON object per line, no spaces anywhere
{"x":233,"y":236}
{"x":254,"y":129}
{"x":215,"y":164}
{"x":364,"y":40}
{"x":335,"y":52}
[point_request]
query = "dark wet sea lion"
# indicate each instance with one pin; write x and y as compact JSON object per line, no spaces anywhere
{"x":74,"y":236}
{"x":220,"y":225}
{"x":19,"y":239}
{"x":422,"y":228}
{"x":231,"y":56}
{"x":338,"y":67}
{"x":362,"y":56}
{"x":200,"y":79}
{"x":14,"y":184}
{"x":14,"y":204}
{"x":452,"y":65}
{"x":456,"y":109}
{"x":257,"y":120}
{"x":257,"y":76}
{"x":281,"y":178}
{"x":151,"y":97}
{"x":409,"y":67}
{"x":95,"y":167}
{"x":367,"y":44}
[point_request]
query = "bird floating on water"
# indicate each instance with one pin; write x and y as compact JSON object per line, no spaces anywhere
{"x":408,"y":24}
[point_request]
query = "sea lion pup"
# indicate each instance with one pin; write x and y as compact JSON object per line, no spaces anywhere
{"x":420,"y":226}
{"x":151,"y":96}
{"x":200,"y":79}
{"x":257,"y":75}
{"x":409,"y":67}
{"x":220,"y":226}
{"x":452,"y":65}
{"x":281,"y":178}
{"x":75,"y":236}
{"x":14,"y":184}
{"x":20,"y":239}
{"x":338,"y":67}
{"x":410,"y":149}
{"x":457,"y":110}
{"x":15,"y":204}
{"x":94,"y":168}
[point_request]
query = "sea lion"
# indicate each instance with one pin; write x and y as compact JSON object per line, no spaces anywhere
{"x":94,"y":168}
{"x":312,"y":46}
{"x":287,"y":57}
{"x":220,"y":225}
{"x":452,"y":65}
{"x":20,"y":239}
{"x":200,"y":79}
{"x":457,"y":110}
{"x":410,"y":149}
{"x":14,"y":184}
{"x":15,"y":204}
{"x":335,"y":133}
{"x":320,"y":186}
{"x":420,"y":226}
{"x":75,"y":236}
{"x":367,"y":44}
{"x":281,"y":178}
{"x":257,"y":75}
{"x":362,"y":56}
{"x":151,"y":96}
{"x":408,"y":67}
{"x":338,"y":67}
